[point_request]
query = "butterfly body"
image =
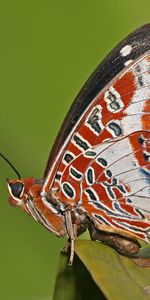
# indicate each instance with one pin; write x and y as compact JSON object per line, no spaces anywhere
{"x":98,"y":172}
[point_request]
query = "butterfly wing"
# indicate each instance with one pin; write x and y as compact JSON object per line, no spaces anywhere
{"x":103,"y":162}
{"x":113,"y":64}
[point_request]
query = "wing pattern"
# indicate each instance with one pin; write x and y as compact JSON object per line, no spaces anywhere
{"x":106,"y":165}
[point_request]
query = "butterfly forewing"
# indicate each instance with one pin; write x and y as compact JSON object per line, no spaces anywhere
{"x":132,"y":47}
{"x":104,"y":164}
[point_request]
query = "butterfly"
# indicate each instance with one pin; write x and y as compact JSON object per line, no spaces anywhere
{"x":98,"y":173}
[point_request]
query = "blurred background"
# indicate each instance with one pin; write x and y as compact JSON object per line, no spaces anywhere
{"x":47,"y":50}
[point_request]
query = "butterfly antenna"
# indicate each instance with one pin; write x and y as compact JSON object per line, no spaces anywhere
{"x":10,"y":164}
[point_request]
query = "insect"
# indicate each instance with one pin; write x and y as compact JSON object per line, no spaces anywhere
{"x":98,"y":173}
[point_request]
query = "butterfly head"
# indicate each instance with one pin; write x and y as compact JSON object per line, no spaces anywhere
{"x":18,"y":188}
{"x":19,"y":191}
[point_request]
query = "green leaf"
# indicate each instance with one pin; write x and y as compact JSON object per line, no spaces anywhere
{"x":99,"y":270}
{"x":118,"y":277}
{"x":75,"y":283}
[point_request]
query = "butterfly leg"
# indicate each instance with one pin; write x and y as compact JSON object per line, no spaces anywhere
{"x":71,"y":231}
{"x":76,"y":224}
{"x":66,"y":248}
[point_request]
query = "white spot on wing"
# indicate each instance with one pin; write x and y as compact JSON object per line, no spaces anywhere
{"x":115,"y":151}
{"x":126,"y":50}
{"x":128,"y":62}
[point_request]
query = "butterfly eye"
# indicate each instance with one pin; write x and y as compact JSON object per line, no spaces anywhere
{"x":17,"y":189}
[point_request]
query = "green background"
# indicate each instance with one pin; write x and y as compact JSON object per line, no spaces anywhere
{"x":47,"y":51}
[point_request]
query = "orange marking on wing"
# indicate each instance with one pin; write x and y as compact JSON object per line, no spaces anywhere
{"x":75,"y":150}
{"x":129,"y":208}
{"x":125,"y":86}
{"x":104,"y":136}
{"x":81,"y":163}
{"x":88,"y":134}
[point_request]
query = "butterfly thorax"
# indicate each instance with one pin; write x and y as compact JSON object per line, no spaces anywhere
{"x":44,"y":208}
